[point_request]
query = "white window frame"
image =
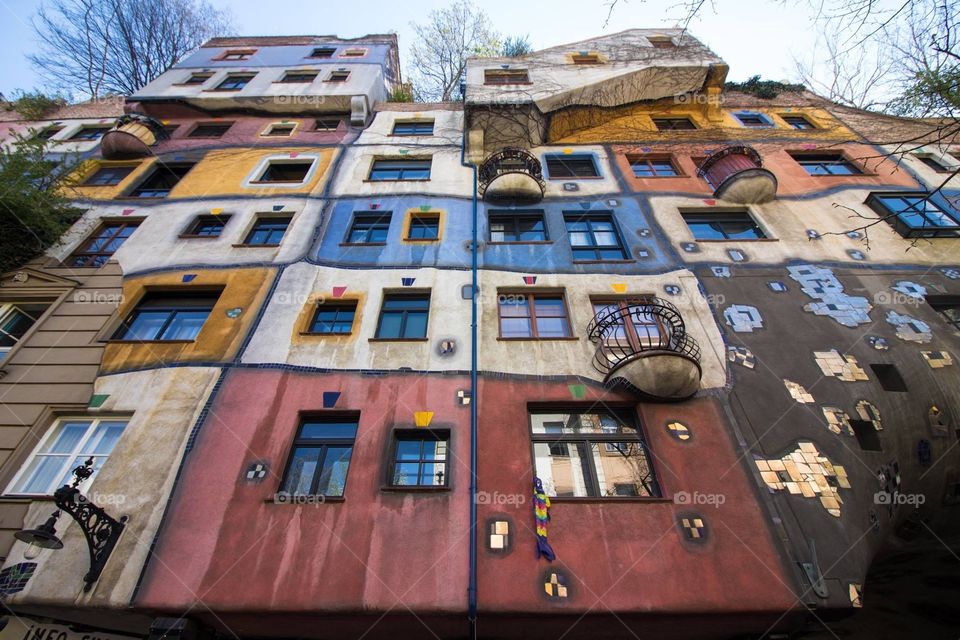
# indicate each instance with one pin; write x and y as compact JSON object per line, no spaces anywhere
{"x":68,"y":457}
{"x":252,"y":180}
{"x":5,"y":309}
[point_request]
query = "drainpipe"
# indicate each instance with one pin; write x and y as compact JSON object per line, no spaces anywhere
{"x":472,"y":581}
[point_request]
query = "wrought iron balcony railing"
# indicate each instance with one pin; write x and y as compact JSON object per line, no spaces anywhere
{"x":736,"y":174}
{"x":511,"y":174}
{"x":650,"y":330}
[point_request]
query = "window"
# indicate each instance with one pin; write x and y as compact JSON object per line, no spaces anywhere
{"x":279,"y":130}
{"x":210,"y":130}
{"x":753,"y":120}
{"x":595,"y":454}
{"x":354,"y":53}
{"x":424,"y":226}
{"x":540,"y":316}
{"x":586,"y":58}
{"x":505,"y":76}
{"x":369,"y":228}
{"x":286,"y":171}
{"x":90,"y":133}
{"x":722,"y":225}
{"x":421,"y":128}
{"x":338,"y":76}
{"x":243,"y":54}
{"x":948,"y":307}
{"x":327,"y":124}
{"x":934,"y":164}
{"x":914,"y":215}
{"x":662,"y":42}
{"x":208,"y":226}
{"x":867,"y":435}
{"x":889,"y":377}
{"x":798,"y":122}
{"x":334,"y":318}
{"x":197,"y":78}
{"x":163,"y":179}
{"x":825,"y":164}
{"x":404,"y":317}
{"x":170,"y":128}
{"x":299,"y":76}
{"x":168,"y":315}
{"x":267,"y":231}
{"x":638,"y":326}
{"x":15,"y":320}
{"x":420,"y":459}
{"x":98,"y":248}
{"x":320,"y":457}
{"x":571,"y":166}
{"x":235,"y":81}
{"x":594,"y":237}
{"x":524,"y":226}
{"x":108,"y":176}
{"x":673,"y":124}
{"x":49,"y":132}
{"x":322,"y":52}
{"x":652,"y":166}
{"x":67,"y":446}
{"x":389,"y":170}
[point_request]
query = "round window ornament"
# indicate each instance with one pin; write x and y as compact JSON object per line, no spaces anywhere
{"x":679,"y":431}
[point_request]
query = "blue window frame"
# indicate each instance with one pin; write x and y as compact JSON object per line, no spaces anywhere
{"x":826,"y":164}
{"x":369,"y":228}
{"x":753,"y":120}
{"x":208,"y":226}
{"x":421,"y":128}
{"x":404,"y":317}
{"x":914,"y":215}
{"x":267,"y":231}
{"x":572,"y":165}
{"x":395,"y":169}
{"x":722,"y":225}
{"x":594,"y":237}
{"x":652,"y":167}
{"x":168,"y":315}
{"x":334,"y":318}
{"x":320,"y":458}
{"x":798,"y":122}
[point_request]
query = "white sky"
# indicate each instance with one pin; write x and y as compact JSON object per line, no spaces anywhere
{"x":758,"y":37}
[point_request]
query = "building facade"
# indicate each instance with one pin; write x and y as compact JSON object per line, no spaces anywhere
{"x":327,"y":352}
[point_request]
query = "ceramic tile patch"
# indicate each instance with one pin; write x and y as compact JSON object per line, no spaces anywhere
{"x":821,"y":285}
{"x":797,"y":392}
{"x":741,"y":356}
{"x":937,"y":359}
{"x":837,"y":420}
{"x":867,"y":411}
{"x":836,"y":365}
{"x":808,"y":473}
{"x":909,"y":328}
{"x":743,"y":318}
{"x":910,"y":289}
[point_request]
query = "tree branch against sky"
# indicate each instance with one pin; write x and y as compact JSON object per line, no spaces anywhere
{"x":97,"y":47}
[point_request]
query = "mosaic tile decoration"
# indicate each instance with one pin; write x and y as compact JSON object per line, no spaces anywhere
{"x":743,"y":318}
{"x":690,"y":247}
{"x":463,"y":396}
{"x":741,"y":356}
{"x":909,"y":328}
{"x":857,"y":254}
{"x":821,"y":285}
{"x":256,"y":471}
{"x":679,"y":430}
{"x":939,"y":423}
{"x":555,"y":585}
{"x":854,"y":235}
{"x":499,"y":535}
{"x":856,"y":595}
{"x":878,"y":342}
{"x":721,"y":272}
{"x":910,"y":289}
{"x":889,"y":478}
{"x":867,"y":411}
{"x":937,"y":359}
{"x":953,"y":274}
{"x":806,"y":472}
{"x":14,"y":578}
{"x":737,"y":255}
{"x":837,"y":420}
{"x":776,"y":286}
{"x":813,"y":234}
{"x":797,"y":392}
{"x":834,"y":364}
{"x":671,"y":289}
{"x":694,"y":527}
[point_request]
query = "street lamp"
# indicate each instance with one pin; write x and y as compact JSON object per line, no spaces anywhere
{"x":100,"y":530}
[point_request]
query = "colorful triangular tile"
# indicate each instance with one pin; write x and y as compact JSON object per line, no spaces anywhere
{"x":278,"y":207}
{"x":618,"y":287}
{"x":127,"y":212}
{"x":530,"y":279}
{"x":216,"y":212}
{"x":407,"y":282}
{"x":330,"y":399}
{"x":97,"y":400}
{"x":578,"y":391}
{"x":422,"y":418}
{"x":425,"y":207}
{"x":189,"y":277}
{"x":339,"y":291}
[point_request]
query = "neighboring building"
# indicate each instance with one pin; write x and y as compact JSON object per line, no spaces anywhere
{"x":670,"y":317}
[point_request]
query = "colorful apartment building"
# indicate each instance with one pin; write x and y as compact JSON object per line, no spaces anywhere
{"x":322,"y":347}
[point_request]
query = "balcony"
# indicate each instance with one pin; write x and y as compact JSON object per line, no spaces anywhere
{"x":131,"y":137}
{"x":737,"y":175}
{"x":643,"y":347}
{"x":511,"y":175}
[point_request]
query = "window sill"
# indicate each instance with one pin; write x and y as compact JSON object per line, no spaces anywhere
{"x":507,"y":242}
{"x":122,"y":341}
{"x":574,"y":178}
{"x":203,"y":137}
{"x":305,"y":501}
{"x":243,"y":245}
{"x":739,"y":240}
{"x":400,"y":180}
{"x":261,"y":183}
{"x":193,"y":236}
{"x":326,"y":335}
{"x":363,"y":244}
{"x":610,"y":499}
{"x":398,"y":339}
{"x":26,"y":497}
{"x":567,"y":339}
{"x":421,"y":240}
{"x":604,"y":261}
{"x":133,"y":197}
{"x":414,"y":489}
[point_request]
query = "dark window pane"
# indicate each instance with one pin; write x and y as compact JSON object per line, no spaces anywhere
{"x":285,"y":171}
{"x":367,"y":229}
{"x":413,"y":128}
{"x":424,"y":228}
{"x":334,"y":318}
{"x":210,"y":130}
{"x":163,"y":179}
{"x":400,"y":170}
{"x":108,"y":176}
{"x":571,"y":166}
{"x":723,"y":226}
{"x":404,"y":317}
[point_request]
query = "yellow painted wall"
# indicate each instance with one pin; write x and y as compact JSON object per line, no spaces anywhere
{"x":220,"y":337}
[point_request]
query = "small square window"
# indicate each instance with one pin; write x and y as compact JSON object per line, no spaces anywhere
{"x":281,"y":130}
{"x":334,"y":318}
{"x":238,"y":54}
{"x":322,"y":52}
{"x":168,"y":315}
{"x":889,"y":377}
{"x":506,"y":76}
{"x":327,"y":124}
{"x":108,"y":176}
{"x":267,"y":231}
{"x":161,"y":181}
{"x":369,"y":228}
{"x":594,"y":238}
{"x":207,"y":226}
{"x":49,"y":132}
{"x":652,"y":166}
{"x":320,"y":457}
{"x":586,"y":58}
{"x":798,"y":122}
{"x":424,"y":226}
{"x":420,"y":459}
{"x":574,"y":165}
{"x":662,"y":42}
{"x":338,"y":76}
{"x":934,"y":164}
{"x":305,"y":77}
{"x":90,"y":133}
{"x":753,"y":120}
{"x":722,"y":225}
{"x":673,"y":124}
{"x":353,"y":53}
{"x":197,"y":78}
{"x":540,"y":316}
{"x":235,"y":82}
{"x":16,"y":319}
{"x":210,"y":130}
{"x":518,"y":227}
{"x":867,"y":435}
{"x":390,"y":169}
{"x":826,"y":164}
{"x":285,"y":171}
{"x":413,"y":128}
{"x":404,"y":317}
{"x":98,"y":248}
